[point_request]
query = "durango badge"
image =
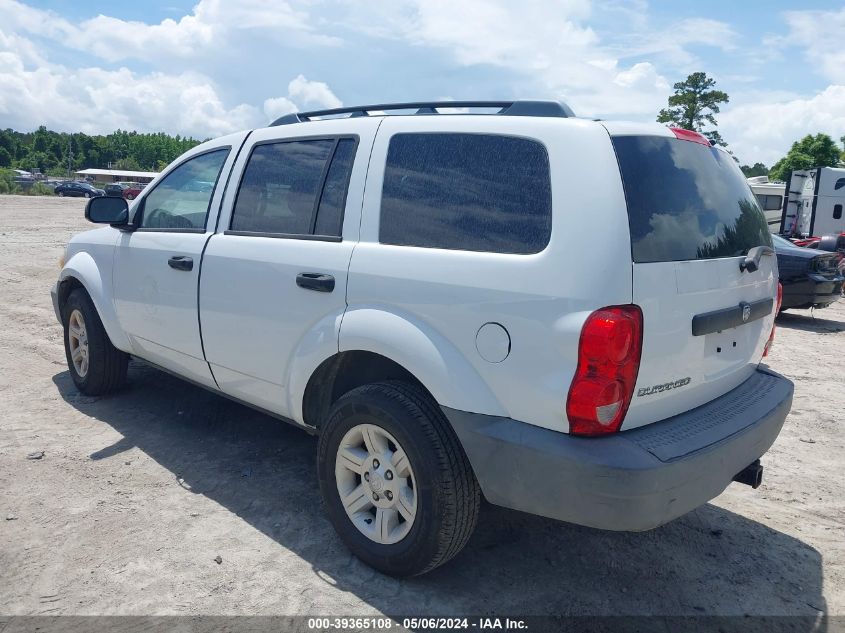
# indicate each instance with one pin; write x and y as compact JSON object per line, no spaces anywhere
{"x":666,"y":386}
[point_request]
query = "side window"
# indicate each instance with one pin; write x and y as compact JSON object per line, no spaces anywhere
{"x":333,"y":200}
{"x":837,"y":212}
{"x":182,"y":198}
{"x":839,"y":184}
{"x":295,"y":188}
{"x":473,"y":192}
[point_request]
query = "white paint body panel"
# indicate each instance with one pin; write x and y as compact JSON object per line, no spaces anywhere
{"x":257,"y":323}
{"x":670,"y":294}
{"x":435,"y":300}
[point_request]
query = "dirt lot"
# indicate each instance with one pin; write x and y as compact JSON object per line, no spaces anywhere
{"x":137,"y":493}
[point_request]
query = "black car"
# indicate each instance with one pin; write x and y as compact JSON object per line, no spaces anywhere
{"x":115,"y":190}
{"x":79,"y":190}
{"x":810,"y":278}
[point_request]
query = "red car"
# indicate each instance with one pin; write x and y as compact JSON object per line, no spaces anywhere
{"x":132,"y":190}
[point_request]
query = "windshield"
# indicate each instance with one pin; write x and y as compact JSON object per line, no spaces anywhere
{"x":686,"y":201}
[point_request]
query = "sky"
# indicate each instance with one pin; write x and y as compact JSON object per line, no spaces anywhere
{"x":210,"y":67}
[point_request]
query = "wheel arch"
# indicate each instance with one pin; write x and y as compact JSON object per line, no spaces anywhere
{"x":81,"y":271}
{"x":377,"y":345}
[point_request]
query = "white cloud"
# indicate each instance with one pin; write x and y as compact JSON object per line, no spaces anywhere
{"x":213,"y":27}
{"x":765,"y":131}
{"x":552,"y":46}
{"x":308,"y":94}
{"x":94,"y":100}
{"x":312,"y":93}
{"x":820,"y":34}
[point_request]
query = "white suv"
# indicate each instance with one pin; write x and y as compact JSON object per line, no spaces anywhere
{"x":563,"y":315}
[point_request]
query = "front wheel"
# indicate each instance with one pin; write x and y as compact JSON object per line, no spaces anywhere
{"x":87,"y":195}
{"x":397,"y":485}
{"x":130,"y":197}
{"x":96,"y":366}
{"x":61,"y":194}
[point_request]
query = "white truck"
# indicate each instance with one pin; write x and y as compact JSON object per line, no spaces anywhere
{"x":563,"y":315}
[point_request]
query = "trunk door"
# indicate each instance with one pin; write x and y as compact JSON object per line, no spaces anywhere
{"x":693,"y":219}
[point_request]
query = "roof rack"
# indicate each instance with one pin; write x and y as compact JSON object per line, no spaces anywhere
{"x":506,"y":108}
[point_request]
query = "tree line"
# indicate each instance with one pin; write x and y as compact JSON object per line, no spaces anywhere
{"x":58,"y":153}
{"x":695,"y":104}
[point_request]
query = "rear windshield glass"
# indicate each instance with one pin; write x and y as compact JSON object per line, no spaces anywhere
{"x":686,"y":201}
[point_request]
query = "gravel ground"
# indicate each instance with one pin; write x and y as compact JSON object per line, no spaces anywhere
{"x":137,"y":493}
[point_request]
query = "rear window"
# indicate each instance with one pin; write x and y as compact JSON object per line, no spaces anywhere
{"x":686,"y":201}
{"x":472,"y":192}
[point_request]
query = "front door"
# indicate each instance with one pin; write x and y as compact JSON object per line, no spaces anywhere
{"x":157,"y":266}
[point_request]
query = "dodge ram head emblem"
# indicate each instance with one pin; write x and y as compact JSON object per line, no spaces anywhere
{"x":746,"y":312}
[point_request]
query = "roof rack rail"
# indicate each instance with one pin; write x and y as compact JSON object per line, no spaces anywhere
{"x":506,"y":108}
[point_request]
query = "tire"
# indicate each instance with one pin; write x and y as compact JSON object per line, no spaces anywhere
{"x":130,"y":197}
{"x":445,"y":492}
{"x":87,"y":195}
{"x":105,"y":366}
{"x":61,"y":194}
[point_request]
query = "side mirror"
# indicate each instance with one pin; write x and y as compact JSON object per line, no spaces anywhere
{"x":107,"y":210}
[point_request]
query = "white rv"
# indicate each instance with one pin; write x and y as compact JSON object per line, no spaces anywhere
{"x":770,"y":196}
{"x":815,"y":198}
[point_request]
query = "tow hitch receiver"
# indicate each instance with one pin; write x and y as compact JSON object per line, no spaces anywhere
{"x":751,"y":475}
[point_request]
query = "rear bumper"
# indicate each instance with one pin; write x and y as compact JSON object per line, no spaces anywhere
{"x":634,"y":480}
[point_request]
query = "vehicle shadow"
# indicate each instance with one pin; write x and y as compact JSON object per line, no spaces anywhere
{"x":809,"y":322}
{"x":709,"y":562}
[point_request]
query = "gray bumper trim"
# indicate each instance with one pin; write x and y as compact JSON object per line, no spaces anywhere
{"x":634,"y":480}
{"x":54,"y":294}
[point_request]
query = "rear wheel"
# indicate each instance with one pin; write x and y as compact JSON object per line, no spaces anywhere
{"x":61,"y":194}
{"x":130,"y":197}
{"x":87,"y":195}
{"x":96,"y":366}
{"x":397,"y":485}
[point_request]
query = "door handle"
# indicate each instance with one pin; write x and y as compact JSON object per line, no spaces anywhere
{"x":315,"y":281}
{"x":181,"y":262}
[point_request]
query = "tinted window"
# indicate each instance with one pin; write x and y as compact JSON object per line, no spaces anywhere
{"x":278,"y":193}
{"x":837,"y":211}
{"x":182,"y":198}
{"x":473,"y":192}
{"x":839,"y":184}
{"x":333,"y":200}
{"x":686,"y":201}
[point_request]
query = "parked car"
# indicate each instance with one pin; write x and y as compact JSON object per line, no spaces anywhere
{"x":811,"y":278}
{"x":115,"y":189}
{"x":78,"y":189}
{"x":132,"y":190}
{"x":448,"y":330}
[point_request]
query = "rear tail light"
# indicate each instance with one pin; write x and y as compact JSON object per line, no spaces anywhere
{"x":771,"y":340}
{"x":609,"y":354}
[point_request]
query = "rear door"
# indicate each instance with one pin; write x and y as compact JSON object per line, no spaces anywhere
{"x":693,"y":219}
{"x":273,"y":287}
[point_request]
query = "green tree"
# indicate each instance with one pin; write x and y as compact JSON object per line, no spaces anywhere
{"x":811,"y":151}
{"x":694,"y":105}
{"x":758,"y":169}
